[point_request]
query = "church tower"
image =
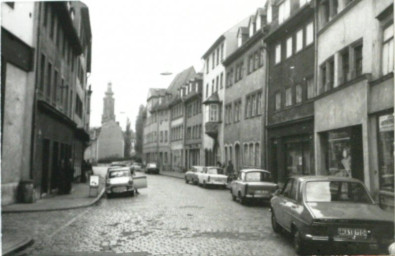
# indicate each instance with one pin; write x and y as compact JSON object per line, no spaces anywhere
{"x":108,"y":105}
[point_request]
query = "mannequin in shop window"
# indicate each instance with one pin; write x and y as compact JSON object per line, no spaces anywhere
{"x":346,"y":162}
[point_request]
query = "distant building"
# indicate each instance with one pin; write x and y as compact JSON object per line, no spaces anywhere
{"x":108,"y":142}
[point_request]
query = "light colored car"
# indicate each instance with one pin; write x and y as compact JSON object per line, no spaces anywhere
{"x":212,"y":175}
{"x":253,"y":184}
{"x":335,"y":213}
{"x":136,"y":167}
{"x":192,"y":174}
{"x":120,"y":180}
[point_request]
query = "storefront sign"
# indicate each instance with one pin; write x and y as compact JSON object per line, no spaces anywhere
{"x":94,"y":181}
{"x":386,"y":123}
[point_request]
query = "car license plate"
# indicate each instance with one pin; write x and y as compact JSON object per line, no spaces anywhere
{"x":119,"y":189}
{"x":354,"y":233}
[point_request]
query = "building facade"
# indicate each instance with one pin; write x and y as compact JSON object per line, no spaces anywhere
{"x":18,"y":35}
{"x":214,"y":94}
{"x":290,"y":123}
{"x":244,"y":97}
{"x":355,"y":94}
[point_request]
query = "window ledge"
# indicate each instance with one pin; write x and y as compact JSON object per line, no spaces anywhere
{"x":340,"y":14}
{"x":382,"y":79}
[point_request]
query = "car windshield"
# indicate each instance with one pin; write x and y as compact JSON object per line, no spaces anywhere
{"x":152,"y":165}
{"x":258,"y":176}
{"x":197,"y":169}
{"x":120,"y":173}
{"x":336,"y":191}
{"x":214,"y":171}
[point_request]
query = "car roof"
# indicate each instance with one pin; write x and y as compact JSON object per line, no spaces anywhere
{"x":214,"y":167}
{"x":118,"y":168}
{"x":323,"y":178}
{"x":198,"y":166}
{"x":254,"y":170}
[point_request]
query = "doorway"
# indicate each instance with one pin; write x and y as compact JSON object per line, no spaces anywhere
{"x":45,"y":166}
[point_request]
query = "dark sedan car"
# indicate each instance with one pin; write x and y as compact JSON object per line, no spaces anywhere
{"x":152,"y":168}
{"x":334,"y":213}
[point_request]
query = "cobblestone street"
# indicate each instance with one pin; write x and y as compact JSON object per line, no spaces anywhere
{"x":168,"y":218}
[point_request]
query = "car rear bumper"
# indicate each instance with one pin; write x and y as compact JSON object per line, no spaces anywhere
{"x":121,"y":188}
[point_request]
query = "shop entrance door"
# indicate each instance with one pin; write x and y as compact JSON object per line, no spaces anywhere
{"x":357,"y":166}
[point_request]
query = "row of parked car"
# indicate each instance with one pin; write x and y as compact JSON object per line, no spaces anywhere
{"x":319,"y":212}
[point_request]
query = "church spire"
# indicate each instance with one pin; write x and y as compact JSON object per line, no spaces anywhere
{"x":108,"y":105}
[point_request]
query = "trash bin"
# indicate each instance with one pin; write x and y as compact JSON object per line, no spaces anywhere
{"x":26,"y":190}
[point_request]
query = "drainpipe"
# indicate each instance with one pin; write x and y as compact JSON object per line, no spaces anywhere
{"x":33,"y":126}
{"x":265,"y":111}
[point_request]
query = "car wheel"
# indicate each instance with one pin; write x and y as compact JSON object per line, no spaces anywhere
{"x":109,"y":195}
{"x":299,"y":244}
{"x":275,"y":226}
{"x":186,"y":180}
{"x":132,"y":193}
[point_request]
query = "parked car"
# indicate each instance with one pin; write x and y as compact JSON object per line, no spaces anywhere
{"x":152,"y":168}
{"x":191,"y":174}
{"x":253,"y":184}
{"x":331,"y":212}
{"x":114,"y":164}
{"x":120,"y":180}
{"x":137,"y":167}
{"x":212,"y":175}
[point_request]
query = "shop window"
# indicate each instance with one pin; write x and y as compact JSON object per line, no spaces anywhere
{"x":386,"y":152}
{"x":387,"y":55}
{"x":339,"y":153}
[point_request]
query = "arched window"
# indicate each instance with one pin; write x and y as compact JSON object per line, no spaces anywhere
{"x":251,"y":154}
{"x":257,"y":155}
{"x":245,"y":160}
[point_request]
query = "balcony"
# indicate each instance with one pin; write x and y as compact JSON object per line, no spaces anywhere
{"x":212,"y":128}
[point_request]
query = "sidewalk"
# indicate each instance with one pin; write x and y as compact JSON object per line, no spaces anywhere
{"x":78,"y":198}
{"x":179,"y":175}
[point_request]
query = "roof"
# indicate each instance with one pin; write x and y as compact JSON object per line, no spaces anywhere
{"x":156,"y":92}
{"x":212,"y":99}
{"x":243,"y":30}
{"x":181,"y":79}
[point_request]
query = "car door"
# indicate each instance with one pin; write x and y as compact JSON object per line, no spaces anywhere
{"x":140,"y":181}
{"x":281,"y":203}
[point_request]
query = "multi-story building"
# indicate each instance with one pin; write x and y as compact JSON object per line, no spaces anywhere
{"x":353,"y":118}
{"x":192,"y":98}
{"x":63,"y":60}
{"x":18,"y":43}
{"x":290,"y":94}
{"x":177,"y":119}
{"x":50,"y":97}
{"x":156,"y":98}
{"x":165,"y":114}
{"x":214,"y":94}
{"x":244,"y":96}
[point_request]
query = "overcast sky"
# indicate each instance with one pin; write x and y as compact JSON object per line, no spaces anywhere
{"x":133,"y":41}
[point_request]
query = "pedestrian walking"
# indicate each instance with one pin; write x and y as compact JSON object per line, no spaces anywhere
{"x":230,"y":171}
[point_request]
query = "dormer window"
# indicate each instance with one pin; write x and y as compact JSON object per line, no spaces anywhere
{"x":239,"y":40}
{"x":258,"y":22}
{"x":284,"y":11}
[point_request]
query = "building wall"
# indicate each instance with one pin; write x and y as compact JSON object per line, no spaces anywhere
{"x":18,"y":84}
{"x":110,"y":141}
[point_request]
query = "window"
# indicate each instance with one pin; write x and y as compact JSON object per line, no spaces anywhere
{"x":207,"y":65}
{"x":245,"y":154}
{"x":216,"y":84}
{"x":310,"y":88}
{"x":358,"y":59}
{"x":253,"y":105}
{"x":387,"y":55}
{"x":214,"y":113}
{"x":284,"y":11}
{"x":289,"y":47}
{"x":251,"y":154}
{"x":46,"y":13}
{"x":278,"y":53}
{"x":250,"y":64}
{"x":257,"y":59}
{"x":278,"y":101}
{"x":222,"y":52}
{"x":212,"y":86}
{"x":217,"y":56}
{"x":269,"y":13}
{"x":42,"y":73}
{"x":261,"y":57}
{"x":386,"y":152}
{"x":207,"y":90}
{"x":259,"y":103}
{"x":299,"y":40}
{"x":288,"y":97}
{"x":221,"y":81}
{"x":213,"y":60}
{"x":49,"y":80}
{"x":78,"y":106}
{"x":53,"y":22}
{"x":257,"y":155}
{"x":345,"y":66}
{"x":55,"y":87}
{"x":309,"y":33}
{"x":298,"y":92}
